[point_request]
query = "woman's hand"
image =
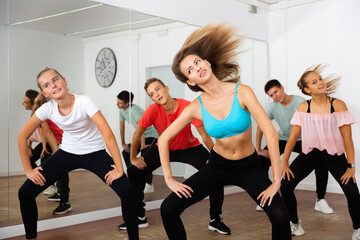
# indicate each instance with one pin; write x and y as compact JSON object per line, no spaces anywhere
{"x":350,"y":173}
{"x":35,"y":176}
{"x":125,"y":147}
{"x":30,"y":151}
{"x":286,"y":171}
{"x":42,"y":154}
{"x":269,"y":193}
{"x":264,"y":152}
{"x":139,"y":162}
{"x":113,"y":175}
{"x":179,"y":188}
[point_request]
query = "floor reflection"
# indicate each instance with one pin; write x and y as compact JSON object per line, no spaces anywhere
{"x":87,"y":193}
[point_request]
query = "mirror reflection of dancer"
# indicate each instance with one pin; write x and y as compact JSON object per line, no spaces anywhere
{"x":325,"y":126}
{"x":132,"y":113}
{"x":206,"y":58}
{"x":282,"y":110}
{"x":50,"y":136}
{"x":42,"y":150}
{"x":184,"y":148}
{"x":54,"y":135}
{"x":83,"y":146}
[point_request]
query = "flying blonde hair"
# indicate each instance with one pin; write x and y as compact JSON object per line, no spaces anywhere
{"x":216,"y":43}
{"x":332,"y":81}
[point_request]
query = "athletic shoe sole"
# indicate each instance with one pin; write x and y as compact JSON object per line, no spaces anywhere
{"x":211,"y":228}
{"x":63,"y":212}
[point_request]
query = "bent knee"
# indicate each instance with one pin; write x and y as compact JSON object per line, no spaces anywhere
{"x":24,"y":193}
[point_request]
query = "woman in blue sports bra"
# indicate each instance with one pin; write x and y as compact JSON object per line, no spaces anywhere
{"x":206,"y":58}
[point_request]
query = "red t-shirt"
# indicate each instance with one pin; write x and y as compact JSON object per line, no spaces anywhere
{"x":157,"y":116}
{"x":56,"y":131}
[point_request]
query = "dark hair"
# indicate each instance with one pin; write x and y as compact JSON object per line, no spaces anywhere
{"x":150,"y":81}
{"x":44,"y":71}
{"x":126,"y":96}
{"x":270,"y":84}
{"x":332,"y":81}
{"x":31,"y":94}
{"x":216,"y":43}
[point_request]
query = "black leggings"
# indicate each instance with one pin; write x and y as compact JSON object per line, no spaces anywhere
{"x":246,"y":173}
{"x":126,"y":155}
{"x":62,"y":183}
{"x":195,"y":156}
{"x":62,"y":162}
{"x":337,"y":165}
{"x":321,"y":174}
{"x":36,"y":152}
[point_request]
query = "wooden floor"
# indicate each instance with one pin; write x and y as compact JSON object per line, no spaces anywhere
{"x":87,"y":193}
{"x":238,"y":213}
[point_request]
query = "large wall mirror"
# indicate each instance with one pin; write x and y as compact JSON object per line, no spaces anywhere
{"x":68,"y":35}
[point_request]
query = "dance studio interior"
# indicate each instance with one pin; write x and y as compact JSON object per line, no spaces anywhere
{"x":281,"y":39}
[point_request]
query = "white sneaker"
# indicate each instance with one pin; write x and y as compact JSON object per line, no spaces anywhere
{"x":356,"y":235}
{"x":259,"y":209}
{"x":322,"y":206}
{"x":296,"y":229}
{"x":51,"y":190}
{"x":149,"y":188}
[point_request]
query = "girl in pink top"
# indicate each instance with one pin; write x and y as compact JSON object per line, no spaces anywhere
{"x":325,"y":126}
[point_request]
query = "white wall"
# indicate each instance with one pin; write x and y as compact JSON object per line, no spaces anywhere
{"x":203,"y":12}
{"x":4,"y":145}
{"x":322,"y":32}
{"x":29,"y":52}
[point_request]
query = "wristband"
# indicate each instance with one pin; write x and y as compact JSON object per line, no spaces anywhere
{"x":350,"y":165}
{"x":29,"y":146}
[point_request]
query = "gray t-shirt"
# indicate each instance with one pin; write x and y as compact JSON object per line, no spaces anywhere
{"x":132,"y":115}
{"x":283,"y":115}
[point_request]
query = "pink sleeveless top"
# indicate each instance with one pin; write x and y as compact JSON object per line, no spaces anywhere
{"x":322,"y":131}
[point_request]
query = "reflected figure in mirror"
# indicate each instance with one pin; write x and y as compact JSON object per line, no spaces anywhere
{"x":54,"y":134}
{"x":86,"y":134}
{"x":130,"y":112}
{"x":282,"y":109}
{"x":48,"y":133}
{"x":207,"y":62}
{"x":184,"y":148}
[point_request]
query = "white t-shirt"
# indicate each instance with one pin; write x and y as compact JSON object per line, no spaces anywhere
{"x":81,"y":136}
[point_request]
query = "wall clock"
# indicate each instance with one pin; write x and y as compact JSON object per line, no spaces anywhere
{"x":105,"y":67}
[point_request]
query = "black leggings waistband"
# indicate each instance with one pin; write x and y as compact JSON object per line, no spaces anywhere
{"x":216,"y":160}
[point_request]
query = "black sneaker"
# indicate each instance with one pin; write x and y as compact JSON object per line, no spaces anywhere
{"x":54,"y":198}
{"x":219,"y":226}
{"x":142,"y":224}
{"x":63,"y":208}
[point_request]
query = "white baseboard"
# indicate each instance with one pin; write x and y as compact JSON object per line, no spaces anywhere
{"x":18,"y":230}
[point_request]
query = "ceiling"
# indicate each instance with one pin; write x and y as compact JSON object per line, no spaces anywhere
{"x":81,"y":18}
{"x":84,"y":18}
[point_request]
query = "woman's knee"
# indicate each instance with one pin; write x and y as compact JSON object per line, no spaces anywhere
{"x":24,"y":193}
{"x":286,"y":186}
{"x":169,"y":209}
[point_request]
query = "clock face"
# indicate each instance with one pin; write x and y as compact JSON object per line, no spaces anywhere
{"x":105,"y":67}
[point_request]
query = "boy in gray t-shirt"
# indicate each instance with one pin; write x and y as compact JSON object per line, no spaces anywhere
{"x":132,"y":113}
{"x":282,"y":110}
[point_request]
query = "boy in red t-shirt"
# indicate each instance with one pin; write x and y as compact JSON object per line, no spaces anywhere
{"x":185,"y":148}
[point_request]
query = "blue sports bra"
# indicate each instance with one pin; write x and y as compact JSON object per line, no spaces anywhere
{"x":237,"y":122}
